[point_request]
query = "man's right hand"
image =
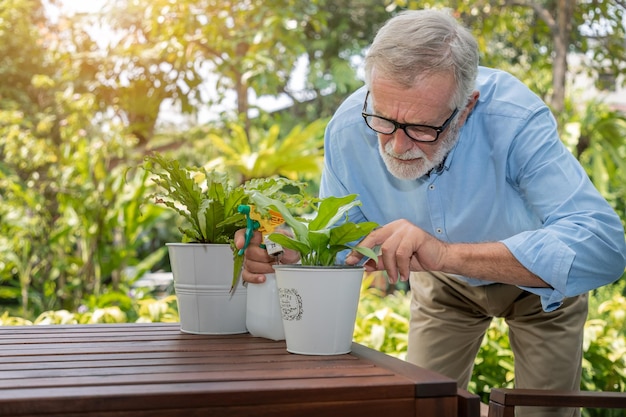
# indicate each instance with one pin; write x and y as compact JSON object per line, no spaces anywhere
{"x":257,"y":262}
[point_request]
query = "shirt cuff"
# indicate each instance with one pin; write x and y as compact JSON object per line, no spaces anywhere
{"x":547,"y":257}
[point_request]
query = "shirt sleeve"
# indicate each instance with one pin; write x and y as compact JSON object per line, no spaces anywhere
{"x":580,"y":245}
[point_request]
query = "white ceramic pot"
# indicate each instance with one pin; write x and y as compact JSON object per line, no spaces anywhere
{"x":263,"y":317}
{"x":318,"y":307}
{"x":202,"y":278}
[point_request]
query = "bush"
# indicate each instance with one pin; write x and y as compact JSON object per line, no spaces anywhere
{"x":147,"y":310}
{"x":382,"y":321}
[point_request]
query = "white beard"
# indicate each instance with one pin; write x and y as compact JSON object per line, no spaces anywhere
{"x":420,"y":164}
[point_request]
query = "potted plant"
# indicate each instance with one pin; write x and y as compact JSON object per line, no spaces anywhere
{"x":319,"y":298}
{"x":205,"y":264}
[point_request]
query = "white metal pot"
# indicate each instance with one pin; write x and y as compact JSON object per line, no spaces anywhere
{"x":318,"y":307}
{"x":202,"y":278}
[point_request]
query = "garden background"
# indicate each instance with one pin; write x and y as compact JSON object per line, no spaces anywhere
{"x":247,"y":87}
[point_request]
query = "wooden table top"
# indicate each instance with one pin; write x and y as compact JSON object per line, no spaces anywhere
{"x":156,"y":370}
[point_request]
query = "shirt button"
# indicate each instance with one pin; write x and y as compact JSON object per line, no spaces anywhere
{"x":439,"y":230}
{"x":431,"y":187}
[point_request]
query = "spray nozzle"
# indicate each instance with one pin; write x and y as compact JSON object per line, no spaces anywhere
{"x":251,"y":226}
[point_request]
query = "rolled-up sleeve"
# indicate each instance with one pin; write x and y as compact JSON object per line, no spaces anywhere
{"x":580,"y":245}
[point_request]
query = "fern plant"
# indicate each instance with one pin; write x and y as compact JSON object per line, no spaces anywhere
{"x":208,"y":201}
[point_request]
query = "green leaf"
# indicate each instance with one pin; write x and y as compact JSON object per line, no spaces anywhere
{"x":290,"y":243}
{"x":237,"y":267}
{"x":367,"y":252}
{"x":331,"y":210}
{"x":349,"y":232}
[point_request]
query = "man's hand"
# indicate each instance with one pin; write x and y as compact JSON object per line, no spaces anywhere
{"x":404,"y":248}
{"x":257,"y":262}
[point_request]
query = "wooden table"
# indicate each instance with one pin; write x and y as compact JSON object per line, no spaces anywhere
{"x":155,"y":370}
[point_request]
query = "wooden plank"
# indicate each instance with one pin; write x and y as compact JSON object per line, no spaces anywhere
{"x":468,"y":404}
{"x":45,"y":333}
{"x":97,"y":327}
{"x":124,"y":347}
{"x":437,"y":406}
{"x":362,"y":408}
{"x":198,"y":395}
{"x":427,"y":383}
{"x":172,"y":374}
{"x":499,"y":410}
{"x":548,"y":398}
{"x":75,"y":359}
{"x":155,"y":340}
{"x":140,"y":359}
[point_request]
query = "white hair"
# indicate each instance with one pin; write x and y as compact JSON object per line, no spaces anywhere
{"x":418,"y":43}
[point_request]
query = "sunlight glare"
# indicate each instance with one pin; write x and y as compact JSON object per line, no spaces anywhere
{"x":82,"y":6}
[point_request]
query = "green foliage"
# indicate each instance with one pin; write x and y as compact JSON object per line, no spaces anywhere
{"x":74,"y":233}
{"x":22,"y":53}
{"x":382,"y":321}
{"x":164,"y":310}
{"x":147,"y":310}
{"x":596,"y":135}
{"x":69,"y":221}
{"x":512,"y":38}
{"x":162,"y":50}
{"x":319,"y":239}
{"x":604,"y":365}
{"x":206,"y":200}
{"x":493,"y":366}
{"x":262,"y":154}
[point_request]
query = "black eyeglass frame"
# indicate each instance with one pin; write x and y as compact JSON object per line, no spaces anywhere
{"x":404,"y":126}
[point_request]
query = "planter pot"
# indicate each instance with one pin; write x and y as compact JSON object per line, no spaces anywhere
{"x":202,"y":278}
{"x":263,"y":318}
{"x":318,"y":307}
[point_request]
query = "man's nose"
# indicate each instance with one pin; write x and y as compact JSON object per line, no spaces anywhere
{"x":401,"y":142}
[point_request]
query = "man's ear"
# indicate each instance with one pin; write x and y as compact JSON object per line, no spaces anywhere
{"x":469,"y":107}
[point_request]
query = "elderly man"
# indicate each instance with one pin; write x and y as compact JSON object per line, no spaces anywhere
{"x":484,"y":209}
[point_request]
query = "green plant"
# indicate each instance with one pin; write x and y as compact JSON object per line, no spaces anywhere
{"x":604,"y":364}
{"x":494,"y":364}
{"x":164,"y":310}
{"x":319,"y":239}
{"x":208,"y":201}
{"x":262,"y":152}
{"x":144,"y":310}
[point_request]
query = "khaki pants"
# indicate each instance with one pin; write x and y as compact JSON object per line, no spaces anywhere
{"x":449,"y":319}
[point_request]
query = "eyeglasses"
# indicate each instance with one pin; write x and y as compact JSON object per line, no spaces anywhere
{"x":419,"y":133}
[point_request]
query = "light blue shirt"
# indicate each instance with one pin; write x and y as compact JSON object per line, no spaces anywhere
{"x":509,"y":178}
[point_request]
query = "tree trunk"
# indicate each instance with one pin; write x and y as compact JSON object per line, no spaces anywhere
{"x":561,"y":34}
{"x":241,"y":89}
